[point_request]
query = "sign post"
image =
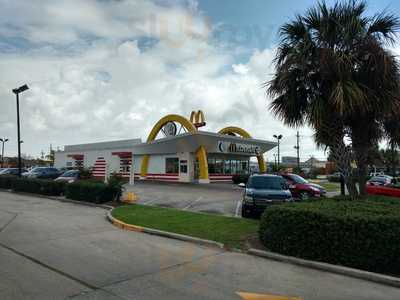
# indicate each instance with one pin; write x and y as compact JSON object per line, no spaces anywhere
{"x":132,"y":173}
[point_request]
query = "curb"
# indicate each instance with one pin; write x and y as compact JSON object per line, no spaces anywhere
{"x":167,"y":234}
{"x":365,"y":275}
{"x":108,"y":207}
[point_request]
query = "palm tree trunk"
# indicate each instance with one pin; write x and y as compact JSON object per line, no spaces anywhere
{"x":362,"y":178}
{"x":342,"y":156}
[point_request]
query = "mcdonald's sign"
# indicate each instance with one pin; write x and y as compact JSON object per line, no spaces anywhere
{"x":197,"y":118}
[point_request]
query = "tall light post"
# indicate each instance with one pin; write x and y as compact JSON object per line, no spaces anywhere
{"x":3,"y":141}
{"x":17,"y":91}
{"x":278,"y":138}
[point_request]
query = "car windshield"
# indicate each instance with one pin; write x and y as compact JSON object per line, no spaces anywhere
{"x":37,"y":170}
{"x":298,"y":179}
{"x":71,"y":173}
{"x":379,"y":179}
{"x":265,"y":182}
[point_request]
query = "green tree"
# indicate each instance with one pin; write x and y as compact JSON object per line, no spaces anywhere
{"x":334,"y":73}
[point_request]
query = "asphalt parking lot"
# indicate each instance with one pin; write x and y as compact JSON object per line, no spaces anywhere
{"x":55,"y":250}
{"x":217,"y":198}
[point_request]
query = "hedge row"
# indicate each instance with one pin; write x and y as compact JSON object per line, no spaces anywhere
{"x":363,"y":234}
{"x":35,"y":186}
{"x":88,"y":191}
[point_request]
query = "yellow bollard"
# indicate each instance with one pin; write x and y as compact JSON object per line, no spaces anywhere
{"x":130,"y":197}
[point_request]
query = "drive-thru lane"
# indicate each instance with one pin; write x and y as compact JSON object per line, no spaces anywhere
{"x":217,"y":198}
{"x":55,"y":250}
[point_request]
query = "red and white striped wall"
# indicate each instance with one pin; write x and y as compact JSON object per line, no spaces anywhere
{"x":99,"y":168}
{"x":220,"y":178}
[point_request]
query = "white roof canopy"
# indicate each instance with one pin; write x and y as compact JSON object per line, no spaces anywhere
{"x":213,"y":143}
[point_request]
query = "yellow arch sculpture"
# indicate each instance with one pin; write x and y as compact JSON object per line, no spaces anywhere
{"x":244,"y":134}
{"x":201,"y":152}
{"x":197,"y":117}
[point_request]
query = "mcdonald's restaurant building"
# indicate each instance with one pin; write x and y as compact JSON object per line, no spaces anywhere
{"x":176,"y":150}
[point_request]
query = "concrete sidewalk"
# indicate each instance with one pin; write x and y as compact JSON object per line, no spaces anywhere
{"x":55,"y":250}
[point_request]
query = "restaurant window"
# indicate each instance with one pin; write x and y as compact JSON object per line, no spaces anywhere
{"x":227,"y":167}
{"x":244,"y":167}
{"x":172,"y":165}
{"x":219,"y":166}
{"x":234,"y":167}
{"x":125,"y":164}
{"x":211,"y":165}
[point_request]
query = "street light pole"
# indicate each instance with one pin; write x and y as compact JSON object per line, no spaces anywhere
{"x":278,"y":137}
{"x":17,"y":91}
{"x":3,"y":141}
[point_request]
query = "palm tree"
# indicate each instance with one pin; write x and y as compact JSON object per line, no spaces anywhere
{"x":334,"y":74}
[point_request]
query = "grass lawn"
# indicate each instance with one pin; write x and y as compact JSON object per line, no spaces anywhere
{"x":329,"y":186}
{"x":233,"y":232}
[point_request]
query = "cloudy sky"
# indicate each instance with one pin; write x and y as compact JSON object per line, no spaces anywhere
{"x":107,"y":69}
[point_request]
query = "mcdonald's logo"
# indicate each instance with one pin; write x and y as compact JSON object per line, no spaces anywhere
{"x":232,"y":147}
{"x":197,"y":118}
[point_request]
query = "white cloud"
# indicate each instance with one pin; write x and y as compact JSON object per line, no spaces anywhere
{"x":109,"y":88}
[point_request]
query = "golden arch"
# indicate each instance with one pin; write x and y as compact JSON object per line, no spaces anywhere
{"x":244,"y":134}
{"x":201,"y":152}
{"x":197,"y":117}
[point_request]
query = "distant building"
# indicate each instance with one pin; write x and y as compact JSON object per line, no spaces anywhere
{"x":314,"y":163}
{"x":289,"y":160}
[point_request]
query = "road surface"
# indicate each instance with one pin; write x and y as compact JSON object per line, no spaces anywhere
{"x":55,"y":250}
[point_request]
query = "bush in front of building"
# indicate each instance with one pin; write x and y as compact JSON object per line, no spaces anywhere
{"x":240,"y":178}
{"x":38,"y":186}
{"x":95,"y":192}
{"x":6,"y":181}
{"x":363,"y":234}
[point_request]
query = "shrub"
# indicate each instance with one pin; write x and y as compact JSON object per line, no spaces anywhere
{"x":363,"y":234}
{"x":6,"y":181}
{"x":38,"y":186}
{"x":96,"y":192}
{"x":240,"y":178}
{"x":85,"y":173}
{"x":116,"y":182}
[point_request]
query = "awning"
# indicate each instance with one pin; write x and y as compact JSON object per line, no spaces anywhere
{"x":213,"y":143}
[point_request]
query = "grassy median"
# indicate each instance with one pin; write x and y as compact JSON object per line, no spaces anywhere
{"x":233,"y":232}
{"x":328,"y":186}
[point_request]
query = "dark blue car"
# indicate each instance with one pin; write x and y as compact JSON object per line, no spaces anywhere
{"x":263,"y":190}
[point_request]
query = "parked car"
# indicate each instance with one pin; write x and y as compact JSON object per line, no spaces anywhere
{"x":42,"y":172}
{"x":69,"y":176}
{"x":383,"y":180}
{"x":11,"y":171}
{"x":335,"y":177}
{"x":301,"y":189}
{"x":373,"y":174}
{"x":374,"y":188}
{"x":263,"y":190}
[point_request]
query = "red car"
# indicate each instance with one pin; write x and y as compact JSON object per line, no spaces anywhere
{"x":375,"y":188}
{"x":301,"y":188}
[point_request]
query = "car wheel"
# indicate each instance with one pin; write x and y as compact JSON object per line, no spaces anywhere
{"x":304,"y":196}
{"x":246,"y":213}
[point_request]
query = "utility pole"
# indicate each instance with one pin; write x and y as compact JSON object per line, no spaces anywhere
{"x":297,"y":147}
{"x":278,"y":138}
{"x":17,"y":91}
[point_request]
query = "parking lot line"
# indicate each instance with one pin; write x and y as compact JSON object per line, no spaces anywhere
{"x":192,"y":203}
{"x":238,"y":205}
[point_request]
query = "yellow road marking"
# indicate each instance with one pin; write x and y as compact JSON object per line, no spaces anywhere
{"x":252,"y":296}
